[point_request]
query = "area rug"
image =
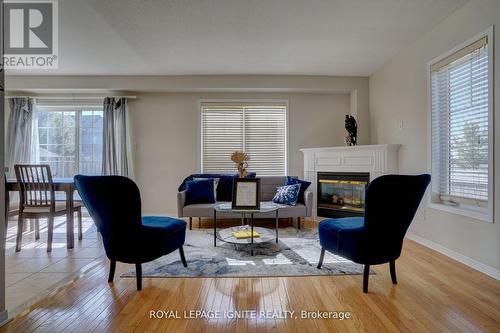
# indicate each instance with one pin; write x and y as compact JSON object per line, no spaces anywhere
{"x":296,"y":254}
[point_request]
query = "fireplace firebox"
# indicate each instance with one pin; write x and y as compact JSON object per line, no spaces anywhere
{"x":341,"y":194}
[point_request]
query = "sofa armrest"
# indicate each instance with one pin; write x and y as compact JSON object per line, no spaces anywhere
{"x":308,"y":200}
{"x":181,"y":202}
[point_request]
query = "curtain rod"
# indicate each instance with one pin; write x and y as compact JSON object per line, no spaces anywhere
{"x":70,"y":97}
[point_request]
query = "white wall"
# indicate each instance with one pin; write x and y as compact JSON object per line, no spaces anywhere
{"x":398,"y":93}
{"x":167,"y":143}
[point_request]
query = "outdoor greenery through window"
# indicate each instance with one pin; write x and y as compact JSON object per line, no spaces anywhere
{"x":70,"y":141}
{"x":460,"y":105}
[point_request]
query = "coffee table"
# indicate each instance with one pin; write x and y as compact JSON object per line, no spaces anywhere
{"x":265,"y":234}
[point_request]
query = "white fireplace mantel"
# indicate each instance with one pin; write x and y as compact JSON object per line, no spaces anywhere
{"x":377,"y":160}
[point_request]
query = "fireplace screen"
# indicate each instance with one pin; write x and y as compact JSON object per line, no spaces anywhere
{"x":341,"y":194}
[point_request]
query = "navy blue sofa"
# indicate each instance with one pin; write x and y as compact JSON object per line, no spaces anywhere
{"x":114,"y":203}
{"x":376,"y":238}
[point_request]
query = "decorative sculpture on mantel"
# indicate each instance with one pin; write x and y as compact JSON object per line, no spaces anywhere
{"x":352,"y":130}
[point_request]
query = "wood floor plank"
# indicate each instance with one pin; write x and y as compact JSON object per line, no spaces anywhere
{"x":434,"y":293}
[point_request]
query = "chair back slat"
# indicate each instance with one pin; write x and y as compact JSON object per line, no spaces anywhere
{"x":31,"y":186}
{"x":35,"y":185}
{"x":45,"y":188}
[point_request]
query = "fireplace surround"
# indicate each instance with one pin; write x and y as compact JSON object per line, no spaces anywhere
{"x":374,"y":160}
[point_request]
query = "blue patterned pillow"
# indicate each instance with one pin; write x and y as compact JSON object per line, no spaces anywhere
{"x":287,"y":194}
{"x":303,"y":186}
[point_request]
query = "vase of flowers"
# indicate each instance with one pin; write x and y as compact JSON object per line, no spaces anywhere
{"x":240,"y":158}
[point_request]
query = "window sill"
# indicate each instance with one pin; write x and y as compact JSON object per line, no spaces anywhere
{"x":478,"y":214}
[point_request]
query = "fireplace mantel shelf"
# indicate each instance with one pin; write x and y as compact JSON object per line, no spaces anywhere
{"x":377,"y":160}
{"x":353,"y":148}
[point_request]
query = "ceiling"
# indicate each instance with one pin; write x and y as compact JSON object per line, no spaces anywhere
{"x":204,"y":37}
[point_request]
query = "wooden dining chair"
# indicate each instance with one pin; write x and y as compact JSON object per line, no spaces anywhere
{"x":37,"y":200}
{"x":12,"y":209}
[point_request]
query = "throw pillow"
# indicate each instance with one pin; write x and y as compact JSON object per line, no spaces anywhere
{"x":200,"y":191}
{"x":225,"y":186}
{"x":287,"y":194}
{"x":303,"y":186}
{"x":216,"y":183}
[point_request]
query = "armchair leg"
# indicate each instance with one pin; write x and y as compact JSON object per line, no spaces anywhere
{"x":298,"y":222}
{"x":80,"y":231}
{"x":366,"y":275}
{"x":392,"y":267}
{"x":199,"y":222}
{"x":183,"y":258}
{"x":190,"y":223}
{"x":112,"y":267}
{"x":138,"y":276}
{"x":321,"y":257}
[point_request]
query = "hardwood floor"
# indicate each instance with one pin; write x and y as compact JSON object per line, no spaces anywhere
{"x":434,"y":293}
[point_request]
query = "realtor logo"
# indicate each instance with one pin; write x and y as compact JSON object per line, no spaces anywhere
{"x":30,"y":34}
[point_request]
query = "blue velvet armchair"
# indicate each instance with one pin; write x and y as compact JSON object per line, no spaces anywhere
{"x":114,"y":203}
{"x":377,"y":238}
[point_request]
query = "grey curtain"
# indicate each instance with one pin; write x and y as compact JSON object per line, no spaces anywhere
{"x":117,"y":151}
{"x":20,"y":130}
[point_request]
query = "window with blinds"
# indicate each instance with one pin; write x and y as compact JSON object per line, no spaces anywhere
{"x":461,"y":116}
{"x":258,"y":129}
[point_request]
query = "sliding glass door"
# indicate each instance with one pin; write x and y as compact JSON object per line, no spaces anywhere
{"x":70,"y":141}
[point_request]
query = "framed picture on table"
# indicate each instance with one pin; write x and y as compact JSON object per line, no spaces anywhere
{"x":246,"y":193}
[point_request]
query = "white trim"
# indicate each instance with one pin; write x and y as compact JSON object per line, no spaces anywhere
{"x":477,"y":214}
{"x":489,"y":214}
{"x":4,"y":317}
{"x":352,"y":148}
{"x":69,"y":107}
{"x":472,"y":263}
{"x":99,"y":97}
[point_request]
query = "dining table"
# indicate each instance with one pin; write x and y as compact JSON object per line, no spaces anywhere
{"x":66,"y":185}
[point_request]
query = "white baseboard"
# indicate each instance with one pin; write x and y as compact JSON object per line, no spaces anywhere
{"x":479,"y":266}
{"x":4,"y":318}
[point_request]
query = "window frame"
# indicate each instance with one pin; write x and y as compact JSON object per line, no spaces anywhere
{"x":242,"y":101}
{"x":485,"y":214}
{"x":77,"y":137}
{"x":78,"y":109}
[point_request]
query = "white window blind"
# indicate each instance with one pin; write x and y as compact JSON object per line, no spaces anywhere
{"x":257,"y":129}
{"x":460,"y":126}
